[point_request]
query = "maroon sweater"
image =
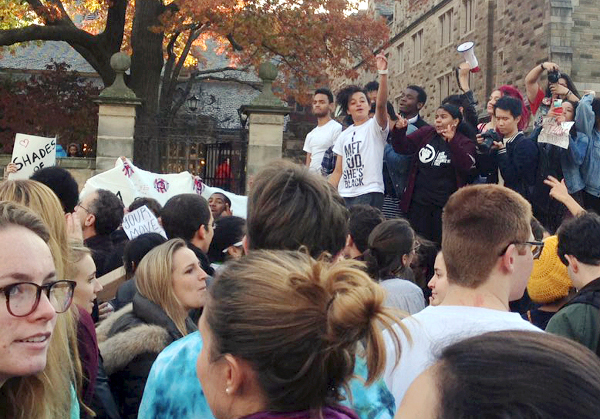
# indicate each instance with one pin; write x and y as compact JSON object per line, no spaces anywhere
{"x":462,"y":149}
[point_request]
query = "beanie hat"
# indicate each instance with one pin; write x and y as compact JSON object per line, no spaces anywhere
{"x":549,"y":279}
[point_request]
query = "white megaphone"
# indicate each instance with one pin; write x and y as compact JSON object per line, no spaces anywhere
{"x":468,"y":51}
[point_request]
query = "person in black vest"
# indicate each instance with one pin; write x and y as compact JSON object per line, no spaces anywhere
{"x":188,"y":217}
{"x":579,"y":249}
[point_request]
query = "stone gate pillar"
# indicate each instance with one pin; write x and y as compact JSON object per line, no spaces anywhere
{"x":266,"y":121}
{"x":116,"y":117}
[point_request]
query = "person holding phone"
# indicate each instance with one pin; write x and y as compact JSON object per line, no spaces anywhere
{"x":443,"y":155}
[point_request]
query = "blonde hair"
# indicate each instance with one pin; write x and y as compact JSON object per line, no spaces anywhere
{"x":45,"y":395}
{"x":42,"y":395}
{"x":299,"y":323}
{"x":77,"y":251}
{"x":154,"y":280}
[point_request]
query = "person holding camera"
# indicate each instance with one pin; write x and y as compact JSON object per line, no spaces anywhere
{"x":515,"y":154}
{"x":560,"y":86}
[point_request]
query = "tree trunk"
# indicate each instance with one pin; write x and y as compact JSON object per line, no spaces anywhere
{"x":147,"y":57}
{"x":146,"y":67}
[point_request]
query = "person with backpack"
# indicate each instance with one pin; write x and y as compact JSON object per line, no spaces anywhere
{"x":579,"y":249}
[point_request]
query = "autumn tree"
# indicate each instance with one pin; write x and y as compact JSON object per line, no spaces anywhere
{"x":312,"y":40}
{"x":56,"y":102}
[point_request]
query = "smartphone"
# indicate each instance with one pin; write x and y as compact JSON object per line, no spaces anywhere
{"x":558,"y":106}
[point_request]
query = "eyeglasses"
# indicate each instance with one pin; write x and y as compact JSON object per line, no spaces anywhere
{"x":23,"y":298}
{"x":536,"y":248}
{"x":84,"y":208}
{"x":415,"y":247}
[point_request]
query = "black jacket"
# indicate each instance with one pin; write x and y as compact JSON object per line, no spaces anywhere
{"x":101,"y":247}
{"x":518,"y":164}
{"x":129,"y":341}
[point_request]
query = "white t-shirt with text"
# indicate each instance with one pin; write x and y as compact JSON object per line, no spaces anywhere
{"x":361,"y":148}
{"x":434,"y":328}
{"x":319,"y":140}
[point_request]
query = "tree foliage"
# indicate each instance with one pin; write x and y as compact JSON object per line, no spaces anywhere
{"x":56,"y":102}
{"x":312,"y":40}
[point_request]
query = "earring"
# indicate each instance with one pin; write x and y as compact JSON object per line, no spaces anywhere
{"x":228,"y":391}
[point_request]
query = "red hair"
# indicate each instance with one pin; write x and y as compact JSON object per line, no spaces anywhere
{"x":512,"y":91}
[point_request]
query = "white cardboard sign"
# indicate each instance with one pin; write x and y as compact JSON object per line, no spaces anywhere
{"x":141,"y":221}
{"x":555,"y":133}
{"x":32,"y":153}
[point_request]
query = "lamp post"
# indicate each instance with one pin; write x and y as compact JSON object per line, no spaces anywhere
{"x":192,"y":103}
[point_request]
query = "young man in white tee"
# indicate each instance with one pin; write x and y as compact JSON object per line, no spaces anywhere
{"x":358,"y":173}
{"x":489,"y":250}
{"x":324,"y":134}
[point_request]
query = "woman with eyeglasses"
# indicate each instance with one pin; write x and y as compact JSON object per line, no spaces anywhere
{"x":64,"y":350}
{"x":170,"y":282}
{"x":34,"y":383}
{"x":391,"y":249}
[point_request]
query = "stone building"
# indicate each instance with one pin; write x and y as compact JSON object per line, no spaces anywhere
{"x":510,"y":36}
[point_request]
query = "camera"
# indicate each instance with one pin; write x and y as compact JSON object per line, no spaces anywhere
{"x":488,"y":140}
{"x":553,"y":76}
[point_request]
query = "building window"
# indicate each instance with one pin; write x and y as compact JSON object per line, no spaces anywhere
{"x":417,"y":41}
{"x":400,"y":58}
{"x":469,"y":15}
{"x":446,"y":28}
{"x":444,"y":86}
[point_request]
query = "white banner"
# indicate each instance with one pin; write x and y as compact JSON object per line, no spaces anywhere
{"x":129,"y":182}
{"x":32,"y":153}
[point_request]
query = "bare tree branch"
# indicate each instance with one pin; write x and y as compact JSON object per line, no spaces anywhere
{"x":254,"y":84}
{"x":181,"y":100}
{"x":234,"y":44}
{"x":166,"y":95}
{"x":72,"y":35}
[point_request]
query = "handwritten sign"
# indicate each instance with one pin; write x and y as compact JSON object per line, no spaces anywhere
{"x":555,"y":133}
{"x":32,"y":153}
{"x":141,"y":221}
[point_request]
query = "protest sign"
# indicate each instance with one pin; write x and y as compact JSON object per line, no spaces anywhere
{"x":141,"y":221}
{"x":555,"y":133}
{"x":32,"y":153}
{"x":129,"y":182}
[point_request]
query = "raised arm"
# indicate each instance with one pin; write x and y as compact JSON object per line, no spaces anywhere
{"x":382,"y":93}
{"x":585,"y":118}
{"x":531,"y":80}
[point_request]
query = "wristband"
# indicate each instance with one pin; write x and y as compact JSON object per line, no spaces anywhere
{"x":382,"y":72}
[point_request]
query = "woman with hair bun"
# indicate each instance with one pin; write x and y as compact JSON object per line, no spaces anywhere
{"x":281,"y":332}
{"x":391,"y":249}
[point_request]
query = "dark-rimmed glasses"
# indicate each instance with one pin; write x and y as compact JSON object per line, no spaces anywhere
{"x":23,"y":298}
{"x":536,"y":248}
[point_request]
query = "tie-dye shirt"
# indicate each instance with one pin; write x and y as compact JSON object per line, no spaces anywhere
{"x":173,"y":390}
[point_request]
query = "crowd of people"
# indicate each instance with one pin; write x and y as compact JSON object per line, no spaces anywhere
{"x":464,"y":299}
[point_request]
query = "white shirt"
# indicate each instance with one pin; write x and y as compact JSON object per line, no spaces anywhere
{"x":319,"y":140}
{"x":433,"y":329}
{"x":361,"y":148}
